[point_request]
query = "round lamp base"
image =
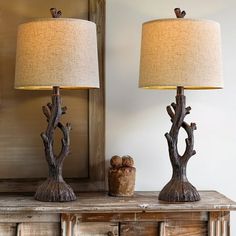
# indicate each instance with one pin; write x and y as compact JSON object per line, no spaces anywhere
{"x":54,"y":191}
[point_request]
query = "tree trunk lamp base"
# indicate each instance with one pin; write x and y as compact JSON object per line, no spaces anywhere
{"x":179,"y":189}
{"x":55,"y":189}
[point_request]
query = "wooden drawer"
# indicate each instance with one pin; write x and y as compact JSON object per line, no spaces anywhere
{"x":38,"y":229}
{"x":139,"y":229}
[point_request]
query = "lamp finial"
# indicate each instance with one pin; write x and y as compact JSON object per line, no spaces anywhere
{"x":55,"y":13}
{"x":179,"y":13}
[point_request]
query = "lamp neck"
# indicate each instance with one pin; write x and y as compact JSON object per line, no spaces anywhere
{"x":180,"y":90}
{"x":56,"y":90}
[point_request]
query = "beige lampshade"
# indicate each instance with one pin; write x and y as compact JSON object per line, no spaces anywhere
{"x":57,"y":52}
{"x":181,"y":52}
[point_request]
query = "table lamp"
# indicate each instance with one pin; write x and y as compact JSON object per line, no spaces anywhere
{"x":180,"y":54}
{"x":56,"y":53}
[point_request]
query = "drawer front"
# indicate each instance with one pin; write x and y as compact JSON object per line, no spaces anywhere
{"x":38,"y":229}
{"x":72,"y":226}
{"x":184,"y":228}
{"x":97,"y":229}
{"x":139,"y":229}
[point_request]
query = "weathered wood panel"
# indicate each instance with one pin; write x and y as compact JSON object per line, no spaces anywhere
{"x":97,"y":100}
{"x":30,"y":217}
{"x":71,"y":226}
{"x":142,"y":216}
{"x":8,"y":229}
{"x":139,"y":229}
{"x":186,"y":228}
{"x":98,"y":202}
{"x":97,"y":229}
{"x":38,"y":229}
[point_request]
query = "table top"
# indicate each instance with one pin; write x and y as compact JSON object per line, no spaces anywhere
{"x":100,"y":202}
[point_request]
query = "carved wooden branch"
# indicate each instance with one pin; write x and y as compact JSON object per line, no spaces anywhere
{"x":179,"y":189}
{"x":55,"y":188}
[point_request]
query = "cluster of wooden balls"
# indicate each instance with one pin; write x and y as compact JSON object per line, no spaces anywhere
{"x":125,"y":161}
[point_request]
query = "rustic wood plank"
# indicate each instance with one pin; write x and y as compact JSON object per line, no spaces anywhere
{"x":139,"y":229}
{"x":102,"y":203}
{"x":30,"y":217}
{"x":8,"y":229}
{"x":186,"y":228}
{"x":142,"y":216}
{"x":97,"y":229}
{"x":97,"y":100}
{"x":72,"y":227}
{"x":38,"y":229}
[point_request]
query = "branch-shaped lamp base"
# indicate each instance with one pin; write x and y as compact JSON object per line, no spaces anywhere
{"x":179,"y":189}
{"x":55,"y":189}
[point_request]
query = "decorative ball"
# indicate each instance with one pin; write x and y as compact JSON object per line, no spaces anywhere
{"x":127,"y":161}
{"x":116,"y":161}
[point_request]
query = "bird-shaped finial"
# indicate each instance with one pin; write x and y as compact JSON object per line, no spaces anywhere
{"x":55,"y":13}
{"x":179,"y":13}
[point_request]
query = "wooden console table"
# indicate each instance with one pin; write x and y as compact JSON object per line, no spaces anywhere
{"x":98,"y":214}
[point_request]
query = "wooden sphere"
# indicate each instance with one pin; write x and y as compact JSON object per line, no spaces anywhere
{"x":127,"y":161}
{"x":116,"y":161}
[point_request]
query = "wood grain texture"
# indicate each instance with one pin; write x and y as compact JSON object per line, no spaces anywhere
{"x":101,"y":203}
{"x":8,"y":229}
{"x":97,"y":229}
{"x":84,"y":168}
{"x":98,"y":214}
{"x":30,"y":217}
{"x":71,"y":226}
{"x":38,"y":229}
{"x":141,"y":216}
{"x":97,"y":100}
{"x":186,"y":228}
{"x":139,"y":229}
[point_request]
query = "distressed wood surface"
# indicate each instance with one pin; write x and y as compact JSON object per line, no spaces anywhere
{"x":100,"y":202}
{"x":97,"y":229}
{"x":71,"y":226}
{"x":137,"y":229}
{"x":140,"y":216}
{"x":97,"y":100}
{"x":186,"y":228}
{"x":30,"y":217}
{"x":38,"y":229}
{"x":8,"y":229}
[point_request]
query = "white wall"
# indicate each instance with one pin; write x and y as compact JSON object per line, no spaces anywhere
{"x":136,"y":119}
